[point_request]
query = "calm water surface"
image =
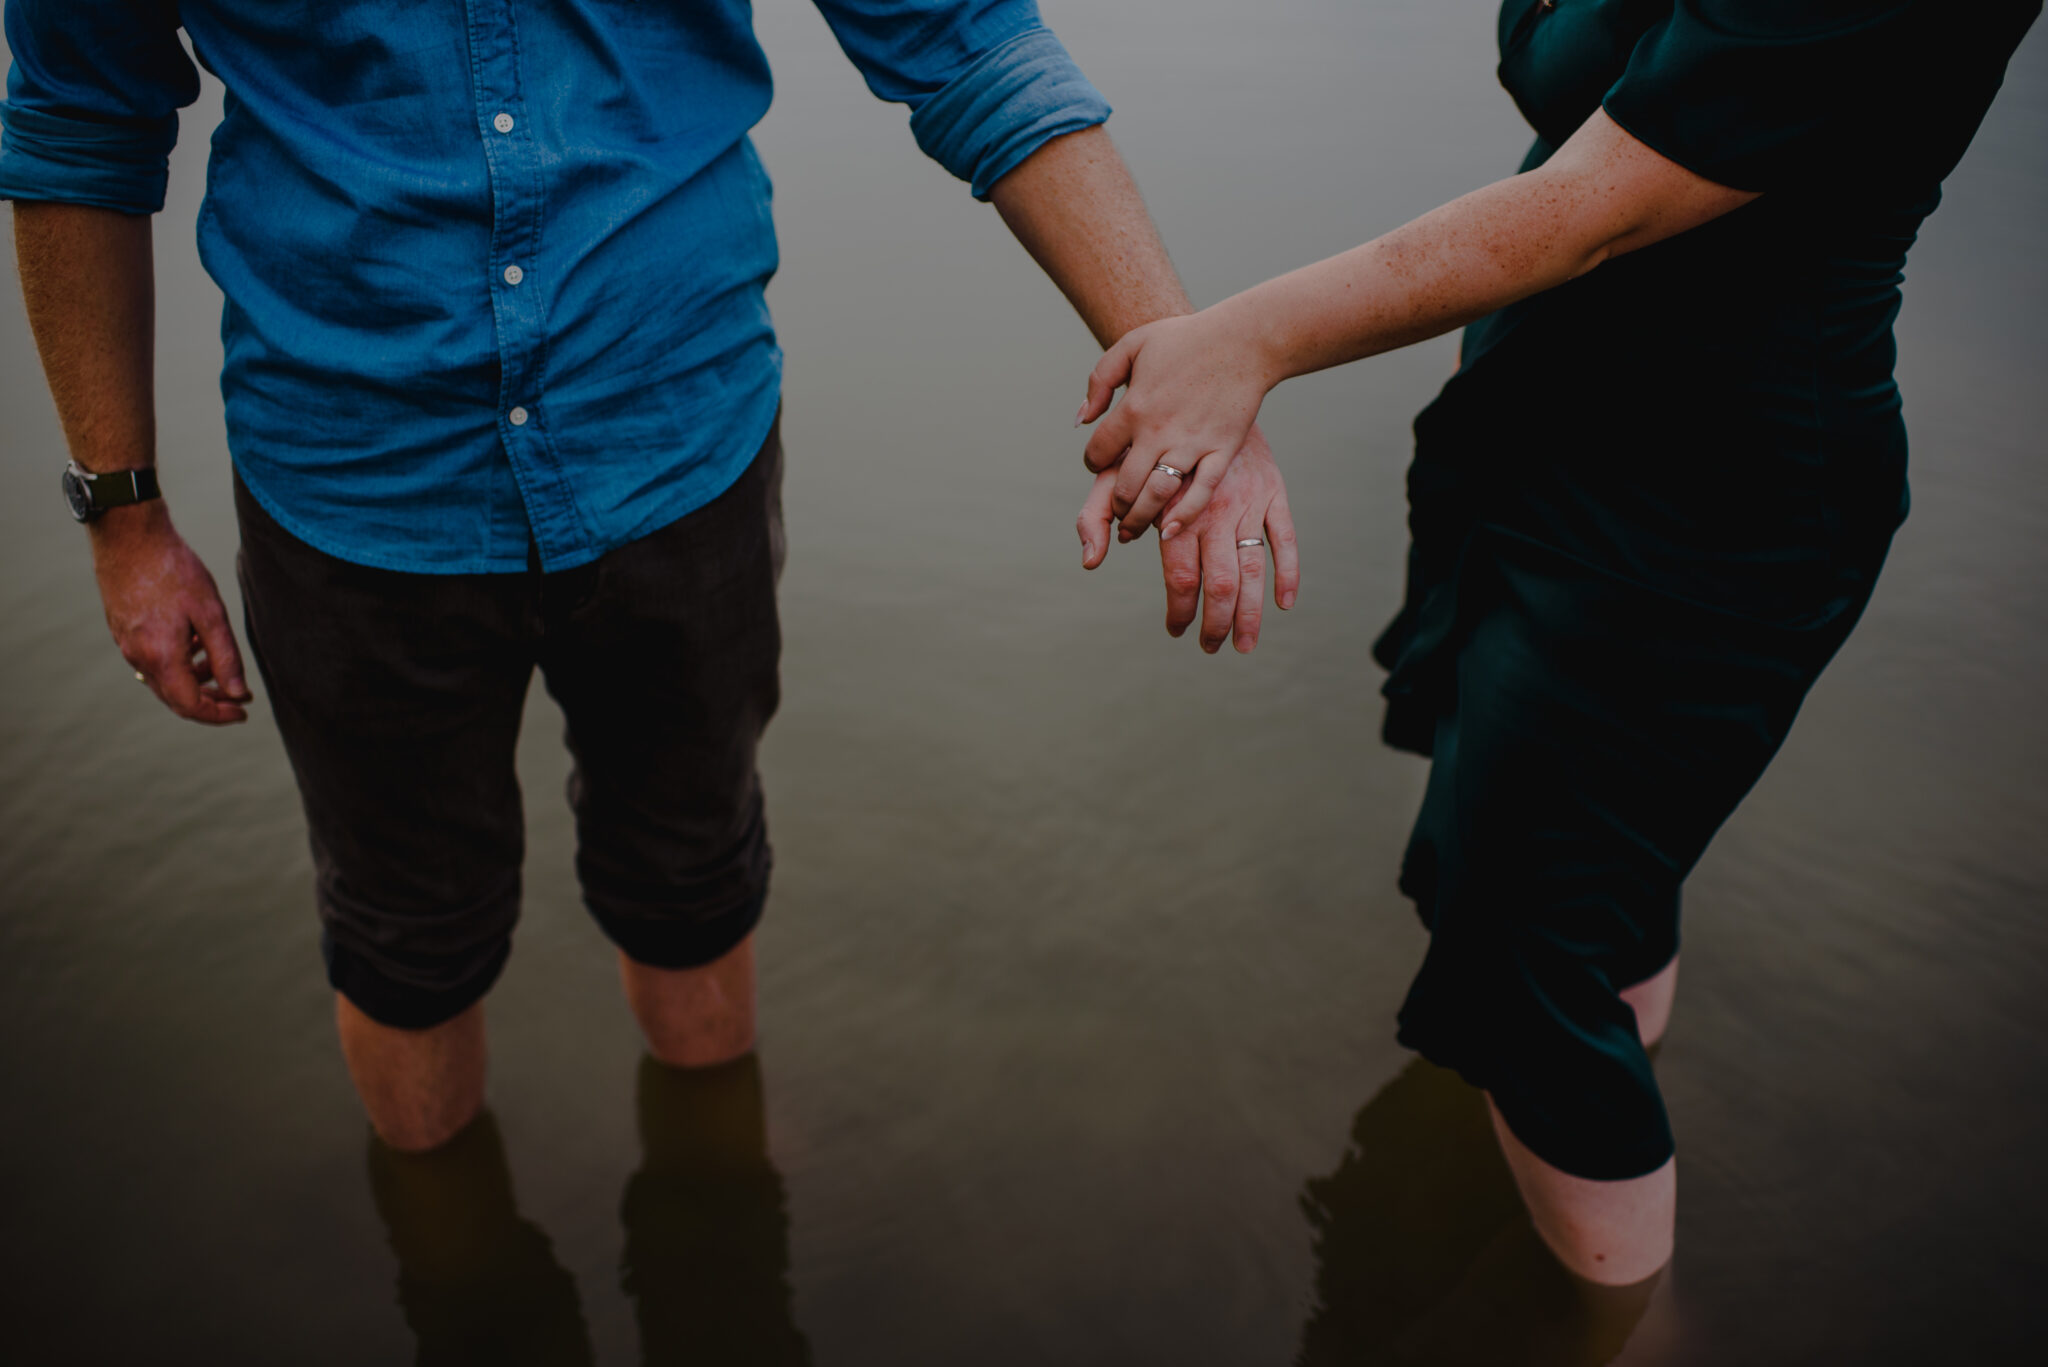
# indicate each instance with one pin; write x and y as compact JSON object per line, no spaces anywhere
{"x":1080,"y":975}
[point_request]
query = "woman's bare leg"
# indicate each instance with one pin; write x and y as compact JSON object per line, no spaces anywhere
{"x":1652,"y":998}
{"x":1614,"y":1233}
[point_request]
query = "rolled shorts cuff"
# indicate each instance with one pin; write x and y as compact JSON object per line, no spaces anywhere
{"x":405,"y":1002}
{"x":665,"y":936}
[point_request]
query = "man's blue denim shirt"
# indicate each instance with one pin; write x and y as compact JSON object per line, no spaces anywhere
{"x":494,"y":268}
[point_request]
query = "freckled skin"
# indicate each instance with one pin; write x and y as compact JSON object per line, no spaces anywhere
{"x":1197,"y":382}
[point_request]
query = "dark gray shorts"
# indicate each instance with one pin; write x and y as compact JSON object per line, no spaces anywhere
{"x":399,"y":697}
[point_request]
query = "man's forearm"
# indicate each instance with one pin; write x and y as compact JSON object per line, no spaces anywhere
{"x":1074,"y":206}
{"x":90,"y":287}
{"x":91,"y":292}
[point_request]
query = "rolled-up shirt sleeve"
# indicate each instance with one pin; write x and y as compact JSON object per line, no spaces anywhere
{"x":92,"y":101}
{"x":986,"y":82}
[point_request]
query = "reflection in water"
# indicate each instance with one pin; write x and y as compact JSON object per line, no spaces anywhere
{"x":707,"y":1235}
{"x":706,"y":1260}
{"x":477,"y":1283}
{"x":1425,"y":1255}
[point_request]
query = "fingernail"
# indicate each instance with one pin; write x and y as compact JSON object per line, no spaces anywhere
{"x":1087,"y":551}
{"x":1080,"y":413}
{"x":1286,"y":600}
{"x":1172,"y":530}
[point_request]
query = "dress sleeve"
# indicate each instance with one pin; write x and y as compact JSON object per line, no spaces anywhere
{"x":986,"y":82}
{"x":1769,"y":95}
{"x":92,"y":101}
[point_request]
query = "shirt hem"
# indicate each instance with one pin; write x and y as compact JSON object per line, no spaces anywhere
{"x":654,"y":522}
{"x":649,"y":525}
{"x":356,"y":555}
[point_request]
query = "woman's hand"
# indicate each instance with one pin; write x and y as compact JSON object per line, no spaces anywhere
{"x":1195,"y":386}
{"x":1209,"y":567}
{"x":1196,"y":382}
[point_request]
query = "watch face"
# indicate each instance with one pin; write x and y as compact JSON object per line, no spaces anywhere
{"x":78,"y":495}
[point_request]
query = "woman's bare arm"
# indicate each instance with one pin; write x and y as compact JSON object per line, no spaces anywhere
{"x":1602,"y":195}
{"x":1196,"y":383}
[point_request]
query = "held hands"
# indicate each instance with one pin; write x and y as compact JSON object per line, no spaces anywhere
{"x":1210,"y":565}
{"x":1195,"y":386}
{"x":167,"y":617}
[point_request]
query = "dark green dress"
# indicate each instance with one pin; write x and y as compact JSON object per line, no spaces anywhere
{"x":1647,"y":511}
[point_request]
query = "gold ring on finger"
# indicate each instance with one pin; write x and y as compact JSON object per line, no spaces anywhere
{"x":140,"y":677}
{"x":1250,"y":541}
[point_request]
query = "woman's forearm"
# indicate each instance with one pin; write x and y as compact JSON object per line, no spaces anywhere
{"x":1195,"y":384}
{"x":1601,"y":195}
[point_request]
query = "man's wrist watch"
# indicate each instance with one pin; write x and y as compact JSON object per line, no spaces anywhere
{"x":89,"y":494}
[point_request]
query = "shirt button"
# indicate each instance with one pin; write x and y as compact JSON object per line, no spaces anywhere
{"x":503,"y":123}
{"x":513,"y":275}
{"x":518,"y":417}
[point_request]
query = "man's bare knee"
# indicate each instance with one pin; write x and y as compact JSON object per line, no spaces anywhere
{"x":695,"y":1017}
{"x":421,"y":1088}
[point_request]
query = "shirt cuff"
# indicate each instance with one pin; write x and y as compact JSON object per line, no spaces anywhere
{"x":119,"y":166}
{"x":1014,"y":99}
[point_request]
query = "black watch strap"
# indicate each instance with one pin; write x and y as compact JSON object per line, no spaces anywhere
{"x":91,"y":494}
{"x":116,"y":488}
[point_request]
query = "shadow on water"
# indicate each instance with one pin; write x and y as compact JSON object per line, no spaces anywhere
{"x":706,"y":1258}
{"x":1425,"y":1256}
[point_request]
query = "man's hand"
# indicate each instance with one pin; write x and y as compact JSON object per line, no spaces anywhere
{"x":87,"y":278}
{"x":167,"y":616}
{"x":1205,"y":567}
{"x":1076,"y":210}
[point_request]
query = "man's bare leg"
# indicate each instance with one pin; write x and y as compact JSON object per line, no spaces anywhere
{"x":1614,"y":1233}
{"x":695,"y":1017}
{"x":421,"y":1087}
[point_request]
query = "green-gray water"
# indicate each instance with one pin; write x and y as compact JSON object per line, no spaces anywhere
{"x":1085,"y":948}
